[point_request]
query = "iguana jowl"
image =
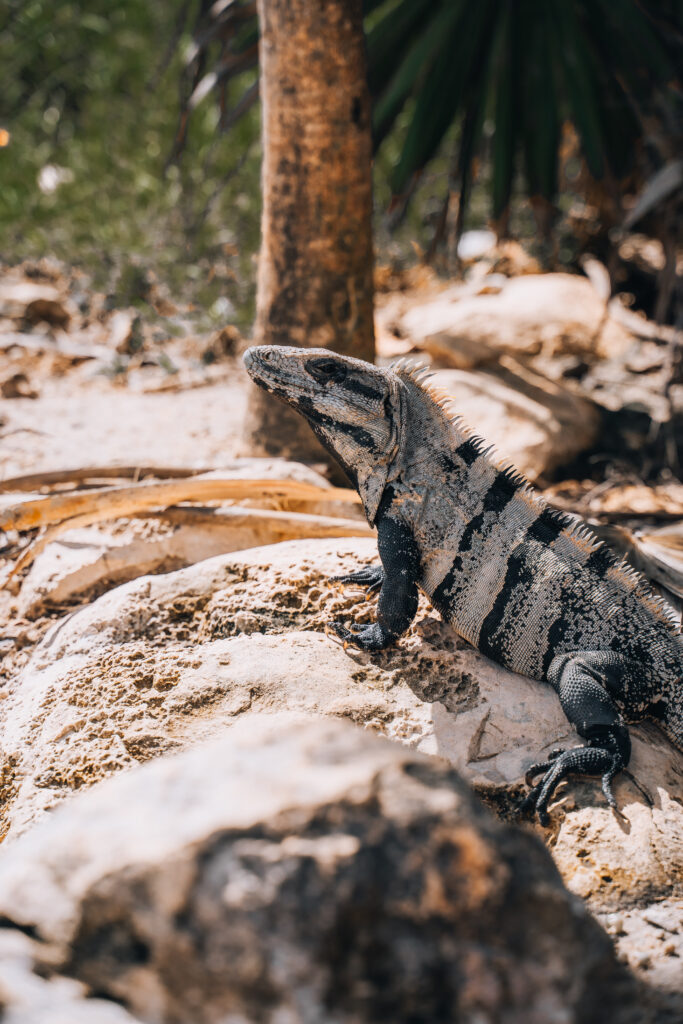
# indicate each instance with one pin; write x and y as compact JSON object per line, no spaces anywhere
{"x":528,"y":586}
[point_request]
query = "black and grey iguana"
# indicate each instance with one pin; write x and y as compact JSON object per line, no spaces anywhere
{"x":529,"y":586}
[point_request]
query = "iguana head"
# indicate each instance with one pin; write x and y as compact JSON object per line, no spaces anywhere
{"x":353,"y":407}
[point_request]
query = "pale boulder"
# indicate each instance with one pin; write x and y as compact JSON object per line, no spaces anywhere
{"x":534,"y":423}
{"x":167,"y":661}
{"x":306,"y":872}
{"x":550,"y":313}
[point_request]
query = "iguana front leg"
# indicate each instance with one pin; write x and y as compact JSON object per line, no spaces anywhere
{"x":582,"y":682}
{"x":397,"y":579}
{"x":372,"y":577}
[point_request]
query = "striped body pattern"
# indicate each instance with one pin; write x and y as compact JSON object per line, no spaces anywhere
{"x":519,"y":580}
{"x":529,"y":586}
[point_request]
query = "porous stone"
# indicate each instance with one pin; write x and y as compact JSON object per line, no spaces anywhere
{"x":301,"y":872}
{"x":164,"y":662}
{"x":650,"y":940}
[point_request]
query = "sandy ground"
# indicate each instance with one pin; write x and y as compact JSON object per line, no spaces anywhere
{"x":81,"y":420}
{"x":85,"y":419}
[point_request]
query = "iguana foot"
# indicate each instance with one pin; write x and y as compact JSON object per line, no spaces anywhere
{"x":372,"y":577}
{"x":588,"y":760}
{"x":542,"y":766}
{"x":371,"y":637}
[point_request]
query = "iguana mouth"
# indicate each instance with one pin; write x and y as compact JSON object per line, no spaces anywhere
{"x":273,"y":378}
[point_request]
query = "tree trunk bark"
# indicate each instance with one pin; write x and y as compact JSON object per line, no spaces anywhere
{"x":315,"y":265}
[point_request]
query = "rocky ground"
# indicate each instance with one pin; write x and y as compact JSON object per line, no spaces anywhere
{"x":200,"y":633}
{"x":295,"y":871}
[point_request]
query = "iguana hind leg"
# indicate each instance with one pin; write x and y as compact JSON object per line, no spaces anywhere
{"x":583,"y":682}
{"x":397,"y":602}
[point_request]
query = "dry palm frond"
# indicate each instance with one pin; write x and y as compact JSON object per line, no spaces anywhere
{"x":113,"y":502}
{"x":281,"y":524}
{"x":56,"y":514}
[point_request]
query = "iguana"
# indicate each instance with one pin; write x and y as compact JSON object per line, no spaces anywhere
{"x":529,"y":586}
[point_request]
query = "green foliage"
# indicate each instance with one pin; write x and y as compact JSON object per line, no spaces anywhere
{"x":117,"y":161}
{"x":499,"y":79}
{"x":90,"y":98}
{"x":527,"y":66}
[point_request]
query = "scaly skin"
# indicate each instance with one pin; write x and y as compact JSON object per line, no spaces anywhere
{"x":528,"y":586}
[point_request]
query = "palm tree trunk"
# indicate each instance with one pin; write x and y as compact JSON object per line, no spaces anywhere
{"x":315,"y":266}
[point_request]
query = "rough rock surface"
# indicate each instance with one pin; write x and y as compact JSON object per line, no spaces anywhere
{"x":307,"y":872}
{"x":650,"y":939}
{"x":535,"y":423}
{"x":166,"y":661}
{"x":27,"y":996}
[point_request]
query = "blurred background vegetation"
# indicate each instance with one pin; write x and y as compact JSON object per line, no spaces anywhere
{"x":133,"y":127}
{"x":91,"y":98}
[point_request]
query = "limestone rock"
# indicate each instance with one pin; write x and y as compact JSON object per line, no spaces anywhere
{"x":167,"y":661}
{"x":650,"y":940}
{"x":307,"y":872}
{"x":535,"y":423}
{"x":554,"y":313}
{"x":500,"y":388}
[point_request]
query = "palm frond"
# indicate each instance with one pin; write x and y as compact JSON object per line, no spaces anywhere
{"x":528,"y":66}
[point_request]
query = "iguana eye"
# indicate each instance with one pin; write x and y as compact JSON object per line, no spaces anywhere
{"x":326,"y":370}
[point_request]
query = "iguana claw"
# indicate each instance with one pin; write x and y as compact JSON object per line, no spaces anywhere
{"x":542,"y":766}
{"x":588,"y":760}
{"x":366,"y":637}
{"x":372,"y":577}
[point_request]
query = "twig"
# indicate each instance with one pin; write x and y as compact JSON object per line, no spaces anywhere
{"x":34,"y":481}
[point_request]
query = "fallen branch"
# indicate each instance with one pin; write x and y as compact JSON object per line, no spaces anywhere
{"x":34,"y":481}
{"x":293,"y":523}
{"x":639,"y":325}
{"x":115,"y":502}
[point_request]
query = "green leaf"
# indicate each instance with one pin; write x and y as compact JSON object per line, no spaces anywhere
{"x":419,"y":57}
{"x":570,"y":47}
{"x":631,"y":31}
{"x":94,"y":23}
{"x":440,"y":99}
{"x":390,"y":36}
{"x":506,"y":113}
{"x":539,"y":110}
